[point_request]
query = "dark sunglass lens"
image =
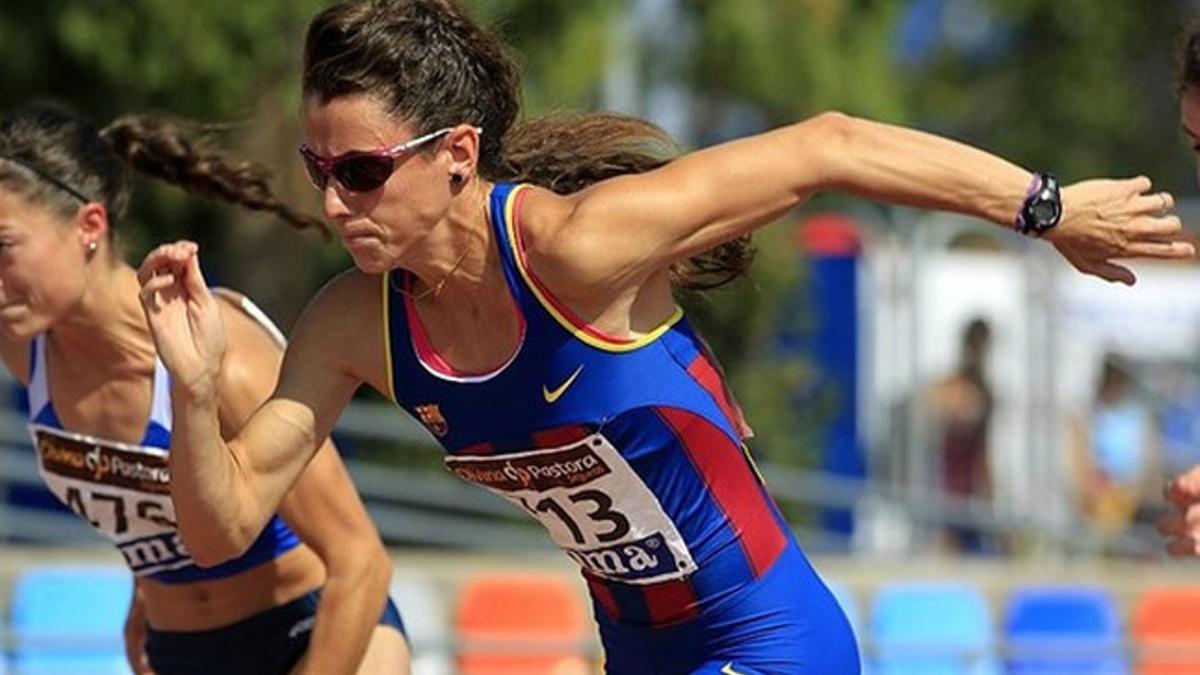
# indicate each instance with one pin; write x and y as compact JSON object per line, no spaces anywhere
{"x":363,"y":174}
{"x":315,"y":174}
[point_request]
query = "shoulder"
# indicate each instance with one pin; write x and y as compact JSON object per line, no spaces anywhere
{"x":341,"y":329}
{"x":561,"y":236}
{"x":343,"y":304}
{"x":252,"y":357}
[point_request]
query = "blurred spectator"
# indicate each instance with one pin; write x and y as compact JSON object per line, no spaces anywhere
{"x":1114,"y":457}
{"x":962,"y":408}
{"x":1179,"y":419}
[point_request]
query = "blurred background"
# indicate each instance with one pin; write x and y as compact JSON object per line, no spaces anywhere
{"x":966,"y":435}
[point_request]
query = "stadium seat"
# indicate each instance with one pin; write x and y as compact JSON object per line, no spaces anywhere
{"x":931,"y":629}
{"x":1063,"y":630}
{"x":70,"y":619}
{"x":426,"y":623}
{"x":1166,"y":630}
{"x":521,"y":624}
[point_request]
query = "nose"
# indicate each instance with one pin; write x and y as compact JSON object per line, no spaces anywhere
{"x":332,"y":203}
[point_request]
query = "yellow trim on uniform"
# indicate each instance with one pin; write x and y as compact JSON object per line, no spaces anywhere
{"x":563,"y":320}
{"x":753,"y":464}
{"x":387,"y":337}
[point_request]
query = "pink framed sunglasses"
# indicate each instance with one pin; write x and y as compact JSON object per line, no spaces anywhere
{"x":362,"y":171}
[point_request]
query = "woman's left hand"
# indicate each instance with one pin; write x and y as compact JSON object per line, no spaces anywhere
{"x":1104,"y":220}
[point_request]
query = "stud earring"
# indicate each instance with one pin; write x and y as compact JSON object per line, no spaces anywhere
{"x":92,"y":246}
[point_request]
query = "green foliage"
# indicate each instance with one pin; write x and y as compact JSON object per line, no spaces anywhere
{"x":1084,"y":88}
{"x":791,"y":58}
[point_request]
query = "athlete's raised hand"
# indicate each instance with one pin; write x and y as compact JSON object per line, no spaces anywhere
{"x":1104,"y":220}
{"x":183,"y":316}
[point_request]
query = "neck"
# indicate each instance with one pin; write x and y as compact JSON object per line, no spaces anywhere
{"x":108,"y":326}
{"x":462,"y":258}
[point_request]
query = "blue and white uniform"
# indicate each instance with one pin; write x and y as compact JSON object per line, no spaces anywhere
{"x":629,"y":452}
{"x":123,"y":491}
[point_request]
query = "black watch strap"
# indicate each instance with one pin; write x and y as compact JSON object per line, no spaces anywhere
{"x":1042,"y":208}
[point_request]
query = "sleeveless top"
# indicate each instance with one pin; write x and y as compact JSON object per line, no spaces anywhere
{"x":124,"y":491}
{"x":629,"y":452}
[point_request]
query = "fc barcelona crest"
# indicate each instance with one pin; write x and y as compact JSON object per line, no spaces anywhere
{"x":430,"y":415}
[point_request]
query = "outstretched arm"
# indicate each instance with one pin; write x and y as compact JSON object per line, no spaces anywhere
{"x":225,"y":491}
{"x":626,"y":229}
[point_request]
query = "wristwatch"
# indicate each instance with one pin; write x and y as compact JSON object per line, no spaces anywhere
{"x":1042,"y":208}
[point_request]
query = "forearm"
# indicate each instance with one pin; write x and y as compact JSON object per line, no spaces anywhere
{"x":352,"y":602}
{"x":211,"y":505}
{"x":904,"y":166}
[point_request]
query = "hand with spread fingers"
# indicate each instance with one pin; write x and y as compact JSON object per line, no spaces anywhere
{"x":1108,"y":220}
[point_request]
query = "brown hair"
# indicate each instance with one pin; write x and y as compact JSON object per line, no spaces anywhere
{"x":1189,"y":58}
{"x":58,"y":158}
{"x":431,"y":65}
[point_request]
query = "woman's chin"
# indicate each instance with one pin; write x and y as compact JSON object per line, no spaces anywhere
{"x":370,"y":263}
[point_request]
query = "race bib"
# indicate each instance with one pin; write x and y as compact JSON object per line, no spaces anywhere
{"x":122,"y":490}
{"x":594,"y":505}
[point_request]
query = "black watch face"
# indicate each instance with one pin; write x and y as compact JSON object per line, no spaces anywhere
{"x":1044,"y":213}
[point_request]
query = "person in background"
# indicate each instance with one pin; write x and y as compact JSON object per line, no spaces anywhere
{"x":962,"y":405}
{"x":1114,"y":455}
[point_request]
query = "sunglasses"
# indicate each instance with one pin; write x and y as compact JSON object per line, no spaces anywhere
{"x":361,"y":171}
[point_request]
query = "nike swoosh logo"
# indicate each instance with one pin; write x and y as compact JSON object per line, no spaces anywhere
{"x":552,"y":395}
{"x":727,"y":669}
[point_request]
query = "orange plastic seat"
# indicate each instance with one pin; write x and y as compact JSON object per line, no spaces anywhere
{"x":1166,"y":630}
{"x":521,"y":624}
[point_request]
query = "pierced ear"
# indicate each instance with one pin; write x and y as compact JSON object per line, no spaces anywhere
{"x":92,"y":222}
{"x":463,"y":146}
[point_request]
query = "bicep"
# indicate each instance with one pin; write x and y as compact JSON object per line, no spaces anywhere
{"x":647,"y":221}
{"x":277,"y":409}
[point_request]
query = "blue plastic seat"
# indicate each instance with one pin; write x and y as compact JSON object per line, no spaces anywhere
{"x":932,"y":629}
{"x":1063,"y":630}
{"x":70,"y":620}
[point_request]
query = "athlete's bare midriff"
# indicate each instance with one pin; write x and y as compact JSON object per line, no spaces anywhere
{"x":206,"y":605}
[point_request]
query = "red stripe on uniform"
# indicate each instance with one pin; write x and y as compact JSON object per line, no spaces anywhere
{"x":707,"y":377}
{"x":479,"y":449}
{"x":603,"y":596}
{"x":725,"y":471}
{"x":670,"y":602}
{"x":554,"y":438}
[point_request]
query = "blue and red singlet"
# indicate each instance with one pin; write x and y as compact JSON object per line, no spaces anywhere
{"x":629,"y":452}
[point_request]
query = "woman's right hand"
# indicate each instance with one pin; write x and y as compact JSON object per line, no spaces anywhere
{"x":183,"y":315}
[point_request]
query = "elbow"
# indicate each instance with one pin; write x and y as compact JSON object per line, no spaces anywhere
{"x":366,"y":564}
{"x":210,"y":546}
{"x":827,"y":146}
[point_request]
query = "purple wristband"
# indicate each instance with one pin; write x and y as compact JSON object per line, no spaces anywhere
{"x":1019,"y":223}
